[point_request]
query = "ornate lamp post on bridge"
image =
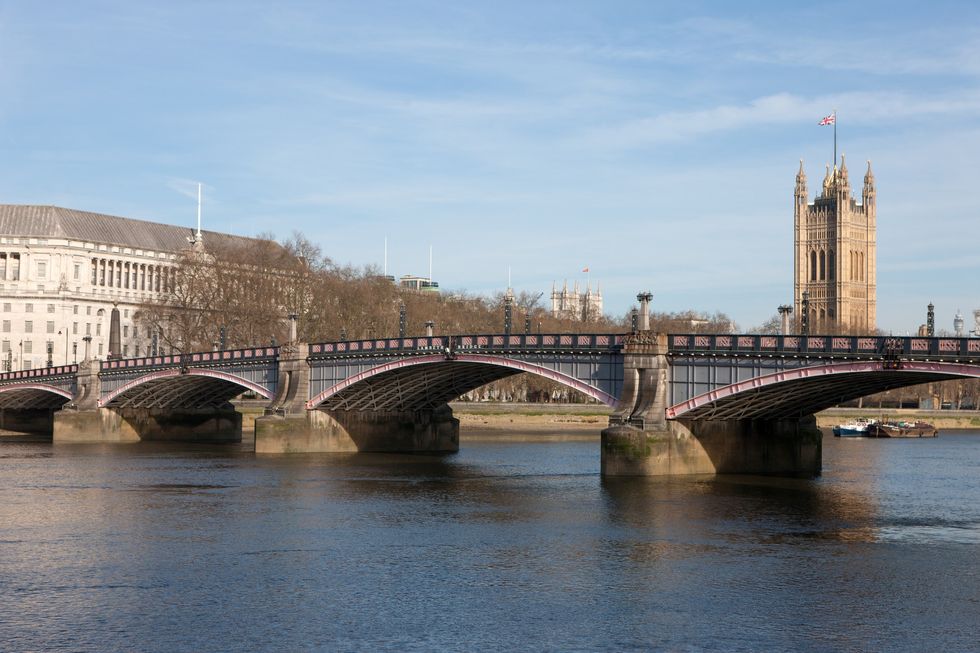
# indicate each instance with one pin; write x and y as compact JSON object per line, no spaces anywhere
{"x":805,"y":314}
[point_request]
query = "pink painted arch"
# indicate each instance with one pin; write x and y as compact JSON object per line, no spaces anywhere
{"x":497,"y":361}
{"x":176,"y":372}
{"x":919,"y":368}
{"x":37,"y":386}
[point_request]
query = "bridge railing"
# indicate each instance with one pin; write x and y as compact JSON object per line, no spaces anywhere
{"x":493,"y":342}
{"x":192,"y":358}
{"x":39,"y":372}
{"x":959,"y":348}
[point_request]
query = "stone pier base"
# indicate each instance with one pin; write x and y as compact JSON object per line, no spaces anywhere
{"x":134,"y":424}
{"x":767,"y":447}
{"x":420,"y":431}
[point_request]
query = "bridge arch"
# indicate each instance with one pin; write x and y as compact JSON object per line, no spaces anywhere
{"x":803,"y":391}
{"x":422,"y":382}
{"x":26,"y":396}
{"x":176,"y":388}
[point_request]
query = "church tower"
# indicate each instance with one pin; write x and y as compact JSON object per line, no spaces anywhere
{"x":835,"y":252}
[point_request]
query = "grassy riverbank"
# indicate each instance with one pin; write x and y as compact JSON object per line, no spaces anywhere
{"x":536,"y":417}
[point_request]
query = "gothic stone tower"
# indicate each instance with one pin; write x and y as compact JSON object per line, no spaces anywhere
{"x":834,"y":256}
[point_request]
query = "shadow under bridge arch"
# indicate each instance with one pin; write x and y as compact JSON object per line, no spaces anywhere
{"x":174,"y":388}
{"x":425,"y":382}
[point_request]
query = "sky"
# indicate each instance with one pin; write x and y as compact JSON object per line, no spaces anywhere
{"x":655,"y":144}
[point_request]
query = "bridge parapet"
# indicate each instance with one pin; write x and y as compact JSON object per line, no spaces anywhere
{"x":468,"y":343}
{"x":852,"y":347}
{"x":37,"y":374}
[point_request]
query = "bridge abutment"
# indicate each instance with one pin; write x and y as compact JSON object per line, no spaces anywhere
{"x":135,"y":424}
{"x":415,"y":431}
{"x":765,"y":447}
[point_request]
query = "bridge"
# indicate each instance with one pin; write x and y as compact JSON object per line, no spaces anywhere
{"x":682,"y":403}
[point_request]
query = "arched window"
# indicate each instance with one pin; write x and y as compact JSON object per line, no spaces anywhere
{"x":830,"y":265}
{"x":813,"y":266}
{"x":823,"y":265}
{"x":861,"y":266}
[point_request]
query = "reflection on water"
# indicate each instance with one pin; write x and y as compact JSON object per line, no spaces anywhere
{"x":511,"y":546}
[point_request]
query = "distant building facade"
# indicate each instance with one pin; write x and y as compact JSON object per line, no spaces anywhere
{"x":835,"y":248}
{"x":418,"y":284}
{"x":575,"y":305}
{"x":62,"y":272}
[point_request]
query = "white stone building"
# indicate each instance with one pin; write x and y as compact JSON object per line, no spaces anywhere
{"x":61,"y":273}
{"x":575,"y":305}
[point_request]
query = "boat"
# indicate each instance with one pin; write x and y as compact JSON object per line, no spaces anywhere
{"x":856,"y":429}
{"x":916,"y":429}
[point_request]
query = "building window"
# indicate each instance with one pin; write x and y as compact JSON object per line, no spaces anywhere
{"x":6,"y":307}
{"x":78,"y":271}
{"x":28,"y":347}
{"x":42,"y":270}
{"x":100,"y":349}
{"x":5,"y":347}
{"x":15,"y":267}
{"x":6,"y":326}
{"x":98,"y":328}
{"x":823,"y":266}
{"x":74,"y":309}
{"x":28,"y":326}
{"x":50,"y":326}
{"x":125,"y":312}
{"x":88,"y":310}
{"x":88,"y":328}
{"x":125,"y":350}
{"x":28,"y":308}
{"x":50,"y":308}
{"x":74,"y":328}
{"x":125,"y":331}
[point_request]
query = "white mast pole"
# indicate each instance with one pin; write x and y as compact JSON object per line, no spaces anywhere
{"x":198,"y":211}
{"x":430,"y":263}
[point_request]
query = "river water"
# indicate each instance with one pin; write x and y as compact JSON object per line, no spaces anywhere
{"x":504,"y":546}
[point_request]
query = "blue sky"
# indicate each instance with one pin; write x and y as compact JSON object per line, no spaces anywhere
{"x":656,"y":144}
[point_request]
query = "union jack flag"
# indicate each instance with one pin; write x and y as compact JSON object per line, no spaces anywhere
{"x":829,"y":120}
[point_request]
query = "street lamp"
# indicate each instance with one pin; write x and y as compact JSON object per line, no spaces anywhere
{"x":66,"y":344}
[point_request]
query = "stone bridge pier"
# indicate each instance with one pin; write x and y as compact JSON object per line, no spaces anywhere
{"x":291,"y":425}
{"x":641,"y":441}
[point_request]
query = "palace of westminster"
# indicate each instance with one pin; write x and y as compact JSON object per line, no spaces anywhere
{"x":62,"y":271}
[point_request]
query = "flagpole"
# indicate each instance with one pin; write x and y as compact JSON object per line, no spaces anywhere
{"x":835,"y":138}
